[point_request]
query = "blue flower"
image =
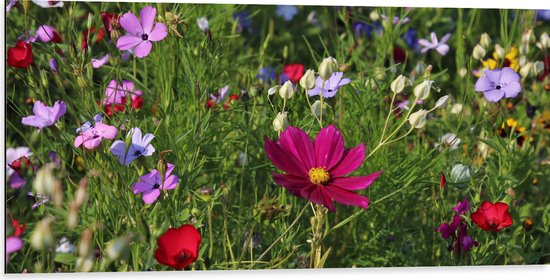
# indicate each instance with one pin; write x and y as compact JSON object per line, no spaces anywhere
{"x":286,"y":11}
{"x":267,"y":74}
{"x":244,"y":22}
{"x":410,"y":37}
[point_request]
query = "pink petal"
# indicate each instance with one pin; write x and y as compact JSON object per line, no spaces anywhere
{"x":151,"y":196}
{"x":78,"y":141}
{"x":92,"y":143}
{"x":297,"y":142}
{"x":98,"y":62}
{"x":127,"y":42}
{"x":293,"y":184}
{"x":107,"y":131}
{"x":131,"y":24}
{"x":284,"y":160}
{"x":170,"y":182}
{"x":317,"y":194}
{"x":16,"y":181}
{"x":346,"y":197}
{"x":147,"y":15}
{"x":355,"y":183}
{"x":329,"y":147}
{"x":13,"y":244}
{"x":143,"y":49}
{"x":351,"y":160}
{"x":158,"y":33}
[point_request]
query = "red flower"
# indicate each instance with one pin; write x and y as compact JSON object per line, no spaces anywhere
{"x":91,"y":31}
{"x":178,"y":247}
{"x":111,"y":21}
{"x":294,"y":72}
{"x":21,"y":55}
{"x":399,"y":55}
{"x":492,"y":217}
{"x":17,"y":229}
{"x":442,"y":181}
{"x":137,"y":102}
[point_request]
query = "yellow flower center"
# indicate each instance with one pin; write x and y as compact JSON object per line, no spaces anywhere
{"x":318,"y":175}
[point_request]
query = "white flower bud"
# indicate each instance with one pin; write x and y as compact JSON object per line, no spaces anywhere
{"x":462,"y":72}
{"x":422,"y":90}
{"x":526,"y":70}
{"x":418,"y":118}
{"x":203,"y":23}
{"x":42,"y":237}
{"x":399,"y":84}
{"x":500,"y":51}
{"x":117,"y":248}
{"x":545,"y":40}
{"x":479,"y":52}
{"x":327,"y":66}
{"x":524,"y":49}
{"x":457,"y":108}
{"x":379,"y":73}
{"x":280,"y":123}
{"x":538,"y":67}
{"x":522,"y":61}
{"x":44,"y":182}
{"x":485,"y":40}
{"x":528,"y":37}
{"x":72,"y":217}
{"x":273,"y":90}
{"x":460,"y":173}
{"x":287,"y":90}
{"x":442,"y":101}
{"x":316,"y":108}
{"x":308,"y":80}
{"x":374,"y":16}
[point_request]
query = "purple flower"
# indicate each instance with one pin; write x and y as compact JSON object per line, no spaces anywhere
{"x":440,"y":47}
{"x":54,"y":158}
{"x":40,"y":199}
{"x":48,"y":3}
{"x":243,"y":22}
{"x":141,"y":34}
{"x":543,"y":15}
{"x":462,"y":207}
{"x":220,"y":94}
{"x":498,"y":84}
{"x":286,"y":11}
{"x":98,"y":62}
{"x":13,"y":244}
{"x":53,"y":65}
{"x":46,"y":33}
{"x":448,"y":230}
{"x":267,"y":74}
{"x":152,"y":183}
{"x":11,"y":4}
{"x":331,"y":85}
{"x":90,"y":137}
{"x":45,"y":116}
{"x":115,"y":93}
{"x":87,"y":125}
{"x":14,"y":179}
{"x":138,"y":147}
{"x":410,"y":38}
{"x":396,"y":20}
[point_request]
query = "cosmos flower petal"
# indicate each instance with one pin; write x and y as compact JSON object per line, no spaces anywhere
{"x":318,"y":195}
{"x":351,"y":160}
{"x":292,"y":183}
{"x":355,"y":183}
{"x":147,"y":16}
{"x":143,"y":49}
{"x":346,"y":197}
{"x":494,"y":95}
{"x":297,"y":142}
{"x":282,"y":160}
{"x":128,"y":41}
{"x":329,"y":147}
{"x":131,"y":24}
{"x":158,"y":33}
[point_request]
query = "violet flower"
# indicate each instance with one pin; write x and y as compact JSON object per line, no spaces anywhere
{"x":151,"y":184}
{"x":462,"y":207}
{"x":98,"y":62}
{"x":220,"y":95}
{"x":13,"y":244}
{"x":46,"y":33}
{"x":11,"y":4}
{"x":244,"y":21}
{"x":439,"y":46}
{"x":39,"y":199}
{"x":45,"y":116}
{"x":116,"y":94}
{"x":141,"y":32}
{"x":286,"y":11}
{"x":498,"y":84}
{"x":139,"y":146}
{"x":87,"y":125}
{"x":457,"y":229}
{"x":53,"y":65}
{"x":330,"y":87}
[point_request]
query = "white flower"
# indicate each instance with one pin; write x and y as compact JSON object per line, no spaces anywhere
{"x":418,"y":118}
{"x":203,"y":24}
{"x":399,"y":84}
{"x":273,"y":90}
{"x":422,"y":90}
{"x":442,"y":101}
{"x":286,"y":91}
{"x":448,"y":140}
{"x":308,"y":80}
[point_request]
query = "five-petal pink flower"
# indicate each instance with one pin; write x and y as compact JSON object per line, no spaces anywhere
{"x":141,"y":32}
{"x":152,"y":183}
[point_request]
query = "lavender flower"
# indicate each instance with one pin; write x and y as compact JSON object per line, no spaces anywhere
{"x":13,"y":244}
{"x":141,"y":33}
{"x":331,"y":86}
{"x":244,"y":22}
{"x":267,"y":74}
{"x":98,"y":62}
{"x":153,"y":182}
{"x":220,"y":94}
{"x":40,"y":199}
{"x":139,"y":146}
{"x":498,"y":84}
{"x":439,"y":46}
{"x":14,"y":179}
{"x":462,"y":207}
{"x":286,"y":11}
{"x":53,"y":65}
{"x":45,"y":116}
{"x":48,"y":3}
{"x":457,"y":229}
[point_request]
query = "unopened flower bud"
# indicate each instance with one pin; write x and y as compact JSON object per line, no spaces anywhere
{"x":442,"y":101}
{"x":343,"y":68}
{"x":428,"y":70}
{"x":280,"y":123}
{"x":500,"y":51}
{"x":287,"y":90}
{"x":85,"y":264}
{"x":528,"y":37}
{"x":203,"y":24}
{"x":460,"y":173}
{"x":418,"y":118}
{"x":485,"y":40}
{"x":118,"y":248}
{"x":371,"y":84}
{"x":44,"y":182}
{"x":42,"y":238}
{"x":526,"y":70}
{"x":538,"y":67}
{"x":462,"y":72}
{"x":545,"y":40}
{"x":273,"y":90}
{"x":206,"y":193}
{"x":379,"y":73}
{"x":399,"y":84}
{"x":327,"y":67}
{"x":308,"y":80}
{"x":316,"y":108}
{"x":524,"y":49}
{"x":420,"y":67}
{"x":522,"y":61}
{"x":58,"y":194}
{"x":81,"y":195}
{"x":374,"y":16}
{"x":72,"y":217}
{"x":422,"y":90}
{"x":479,"y":52}
{"x":84,"y":247}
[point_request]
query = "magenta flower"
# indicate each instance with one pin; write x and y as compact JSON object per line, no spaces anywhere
{"x":14,"y":179}
{"x":139,"y":146}
{"x":45,"y":116}
{"x":98,"y":62}
{"x":457,"y":230}
{"x":498,"y":84}
{"x":317,"y":170}
{"x":331,"y":85}
{"x":220,"y":95}
{"x":152,"y":183}
{"x":141,"y":34}
{"x":462,"y":207}
{"x":91,"y":137}
{"x":439,"y":46}
{"x":13,"y":244}
{"x":46,"y":33}
{"x":116,"y":94}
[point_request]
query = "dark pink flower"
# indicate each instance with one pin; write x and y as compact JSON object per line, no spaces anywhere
{"x":316,"y":170}
{"x":141,"y":32}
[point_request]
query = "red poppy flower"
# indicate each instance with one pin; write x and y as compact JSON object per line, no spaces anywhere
{"x":178,"y":247}
{"x":21,"y":55}
{"x":492,"y":217}
{"x":294,"y":72}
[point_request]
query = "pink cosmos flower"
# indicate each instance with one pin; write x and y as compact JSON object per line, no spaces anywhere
{"x":13,"y":244}
{"x":45,"y":116}
{"x":141,"y":34}
{"x":91,"y":138}
{"x":317,"y":170}
{"x":152,"y":183}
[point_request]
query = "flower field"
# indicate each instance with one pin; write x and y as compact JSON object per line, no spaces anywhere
{"x":179,"y":136}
